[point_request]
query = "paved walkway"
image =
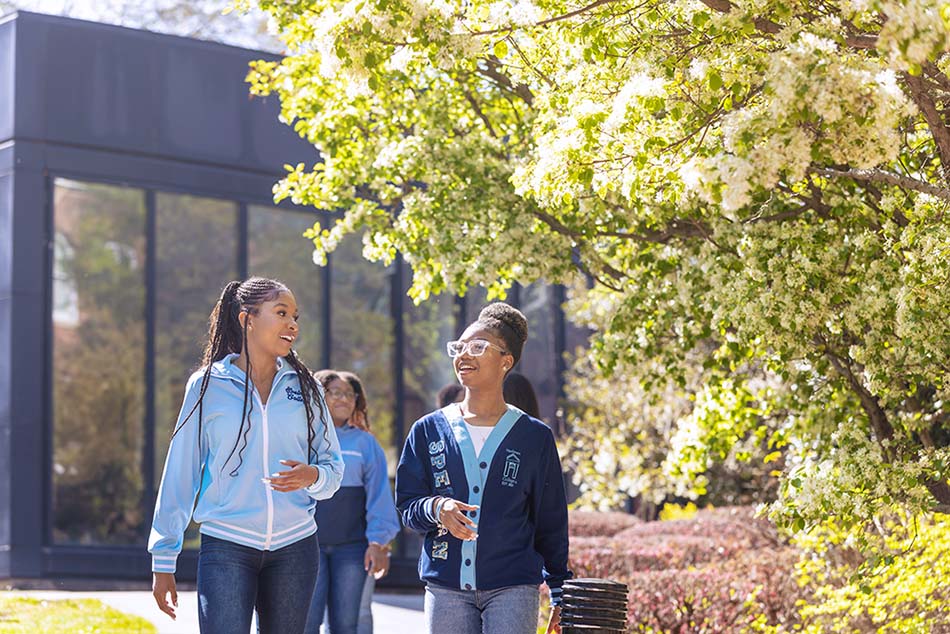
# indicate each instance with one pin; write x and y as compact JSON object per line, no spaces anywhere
{"x":392,"y":613}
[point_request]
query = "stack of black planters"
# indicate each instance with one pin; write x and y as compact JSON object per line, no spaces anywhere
{"x":594,"y":605}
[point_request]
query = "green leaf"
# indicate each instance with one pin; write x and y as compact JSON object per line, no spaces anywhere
{"x":500,"y":49}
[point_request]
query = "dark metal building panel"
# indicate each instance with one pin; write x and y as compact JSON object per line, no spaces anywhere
{"x":25,"y":375}
{"x":151,"y":172}
{"x":99,"y":86}
{"x":6,"y":313}
{"x":7,"y":76}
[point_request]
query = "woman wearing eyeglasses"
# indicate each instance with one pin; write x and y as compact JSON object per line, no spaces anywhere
{"x":356,"y":524}
{"x":482,"y":481}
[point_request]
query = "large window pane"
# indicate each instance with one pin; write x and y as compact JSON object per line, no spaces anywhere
{"x":196,"y":255}
{"x":362,"y":333}
{"x":539,"y":359}
{"x":277,"y":249}
{"x":427,"y":368}
{"x":98,"y":363}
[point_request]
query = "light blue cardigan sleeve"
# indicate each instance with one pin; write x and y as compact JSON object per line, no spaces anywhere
{"x":327,"y":450}
{"x":179,"y":486}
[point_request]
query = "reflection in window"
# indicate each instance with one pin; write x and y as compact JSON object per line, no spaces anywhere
{"x":98,"y":363}
{"x":196,"y":255}
{"x":539,"y":359}
{"x":277,"y":249}
{"x":427,"y":367}
{"x":362,"y":333}
{"x":65,"y":291}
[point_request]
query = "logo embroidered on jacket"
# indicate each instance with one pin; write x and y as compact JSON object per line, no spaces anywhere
{"x":437,"y":457}
{"x":512,"y":463}
{"x":294,"y":395}
{"x":441,"y":479}
{"x":440,"y":550}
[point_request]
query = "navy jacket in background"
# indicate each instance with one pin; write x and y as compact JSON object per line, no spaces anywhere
{"x":362,"y":510}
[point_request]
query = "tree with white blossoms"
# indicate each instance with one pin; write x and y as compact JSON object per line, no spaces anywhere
{"x":757,"y":191}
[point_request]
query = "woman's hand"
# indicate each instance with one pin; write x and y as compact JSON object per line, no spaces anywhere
{"x":300,"y":476}
{"x":163,"y":584}
{"x":453,"y":517}
{"x":376,"y":560}
{"x":554,"y":625}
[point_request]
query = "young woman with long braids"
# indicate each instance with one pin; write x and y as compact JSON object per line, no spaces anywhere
{"x":256,"y":454}
{"x":359,"y":521}
{"x":482,"y":481}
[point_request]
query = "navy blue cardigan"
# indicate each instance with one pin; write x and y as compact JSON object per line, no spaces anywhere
{"x":517,"y":483}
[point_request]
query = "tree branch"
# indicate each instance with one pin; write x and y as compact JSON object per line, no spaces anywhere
{"x":490,"y":70}
{"x":889,"y":178}
{"x":559,"y":227}
{"x":940,"y":78}
{"x":675,"y":229}
{"x":762,"y":24}
{"x":882,"y":427}
{"x":557,"y":18}
{"x":476,"y":107}
{"x":938,"y":127}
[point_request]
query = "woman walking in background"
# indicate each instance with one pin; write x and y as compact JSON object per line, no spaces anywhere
{"x":254,"y":444}
{"x":482,"y":481}
{"x":358,"y":523}
{"x":519,"y":392}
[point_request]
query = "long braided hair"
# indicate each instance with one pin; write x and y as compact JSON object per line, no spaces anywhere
{"x":227,"y":336}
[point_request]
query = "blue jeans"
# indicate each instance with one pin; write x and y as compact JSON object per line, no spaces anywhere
{"x":339,"y":589}
{"x":365,"y":625}
{"x":511,"y":610}
{"x":234,"y":580}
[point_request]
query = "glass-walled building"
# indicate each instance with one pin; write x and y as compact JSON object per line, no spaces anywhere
{"x":135,"y":180}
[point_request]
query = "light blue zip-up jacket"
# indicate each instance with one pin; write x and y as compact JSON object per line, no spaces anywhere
{"x":363,"y":509}
{"x":242,"y":508}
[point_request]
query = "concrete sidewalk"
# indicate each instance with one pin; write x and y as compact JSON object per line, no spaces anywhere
{"x":392,"y":613}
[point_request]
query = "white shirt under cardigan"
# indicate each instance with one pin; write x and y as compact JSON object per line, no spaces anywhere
{"x":479,"y":434}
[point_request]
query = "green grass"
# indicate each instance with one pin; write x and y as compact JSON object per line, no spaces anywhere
{"x":22,"y":615}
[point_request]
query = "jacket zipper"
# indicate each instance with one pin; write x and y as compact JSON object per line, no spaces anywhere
{"x":265,"y":450}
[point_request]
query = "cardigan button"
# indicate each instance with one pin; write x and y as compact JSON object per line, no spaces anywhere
{"x":468,"y":562}
{"x":468,"y":586}
{"x":483,"y":465}
{"x":476,"y":489}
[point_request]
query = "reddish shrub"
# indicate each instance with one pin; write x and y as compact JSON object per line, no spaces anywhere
{"x":595,"y":524}
{"x":735,"y":525}
{"x":711,"y":573}
{"x":720,"y":597}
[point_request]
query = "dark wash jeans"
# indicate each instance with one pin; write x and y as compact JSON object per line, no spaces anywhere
{"x":234,"y":580}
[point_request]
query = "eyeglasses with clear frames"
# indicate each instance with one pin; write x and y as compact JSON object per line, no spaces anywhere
{"x":474,"y":347}
{"x":341,"y":395}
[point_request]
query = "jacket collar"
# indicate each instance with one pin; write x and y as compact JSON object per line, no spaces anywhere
{"x":226,"y":369}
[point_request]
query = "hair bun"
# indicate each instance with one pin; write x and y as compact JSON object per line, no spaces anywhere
{"x":508,"y":315}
